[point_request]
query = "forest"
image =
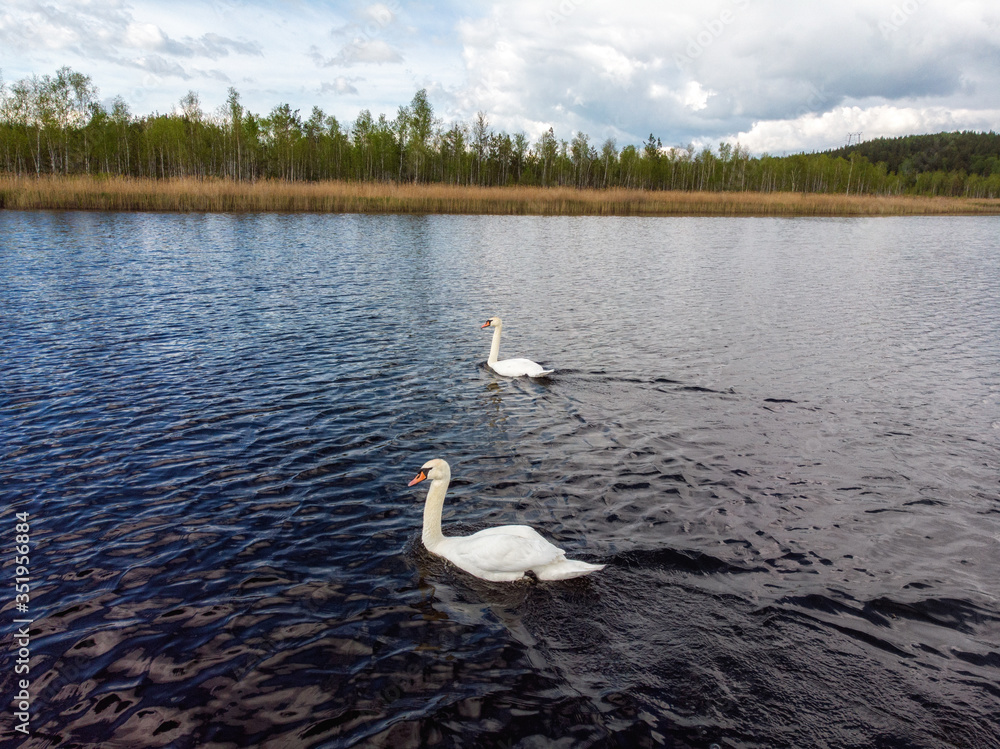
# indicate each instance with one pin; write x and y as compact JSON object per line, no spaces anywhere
{"x":57,"y":125}
{"x":969,"y":152}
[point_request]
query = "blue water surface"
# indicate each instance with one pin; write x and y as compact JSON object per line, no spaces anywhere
{"x":780,"y":436}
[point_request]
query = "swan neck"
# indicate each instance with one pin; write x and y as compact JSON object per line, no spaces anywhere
{"x":495,"y":347}
{"x":432,"y":535}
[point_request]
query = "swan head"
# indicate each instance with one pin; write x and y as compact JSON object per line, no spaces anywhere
{"x":435,"y":470}
{"x":493,"y":322}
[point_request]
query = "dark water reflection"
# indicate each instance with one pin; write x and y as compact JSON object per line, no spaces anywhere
{"x":780,"y":435}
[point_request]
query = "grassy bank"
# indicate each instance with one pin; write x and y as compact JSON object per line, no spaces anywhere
{"x":118,"y":194}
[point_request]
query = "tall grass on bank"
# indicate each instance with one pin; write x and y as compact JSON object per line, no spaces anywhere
{"x":224,"y":196}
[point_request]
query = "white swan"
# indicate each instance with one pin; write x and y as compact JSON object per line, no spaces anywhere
{"x":498,"y":554}
{"x":510,"y":367}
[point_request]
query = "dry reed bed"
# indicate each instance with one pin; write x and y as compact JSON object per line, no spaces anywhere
{"x":194,"y":195}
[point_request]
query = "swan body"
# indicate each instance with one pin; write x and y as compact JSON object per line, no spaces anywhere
{"x":499,"y":554}
{"x":510,"y":367}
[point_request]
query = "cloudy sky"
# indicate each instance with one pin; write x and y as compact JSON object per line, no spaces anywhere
{"x":777,"y":75}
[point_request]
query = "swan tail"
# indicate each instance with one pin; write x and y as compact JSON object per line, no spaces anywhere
{"x":565,"y":569}
{"x":543,"y":373}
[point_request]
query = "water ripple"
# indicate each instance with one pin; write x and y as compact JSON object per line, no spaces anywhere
{"x":779,"y":436}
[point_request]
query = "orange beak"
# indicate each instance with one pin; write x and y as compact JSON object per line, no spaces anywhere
{"x":485,"y":324}
{"x":418,"y":478}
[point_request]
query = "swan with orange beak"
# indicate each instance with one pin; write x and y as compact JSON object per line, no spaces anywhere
{"x":499,"y":554}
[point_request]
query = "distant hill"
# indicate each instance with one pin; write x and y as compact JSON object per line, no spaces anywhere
{"x":973,"y":153}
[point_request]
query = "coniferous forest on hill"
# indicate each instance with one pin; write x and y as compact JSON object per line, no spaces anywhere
{"x":56,"y":125}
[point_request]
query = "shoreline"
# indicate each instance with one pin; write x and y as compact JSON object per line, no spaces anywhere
{"x":192,"y":195}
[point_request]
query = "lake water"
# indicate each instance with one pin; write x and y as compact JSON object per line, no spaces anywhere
{"x":782,"y":437}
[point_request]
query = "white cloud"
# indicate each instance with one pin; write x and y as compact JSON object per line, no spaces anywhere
{"x":160,"y":66}
{"x":695,"y":97}
{"x":360,"y":51}
{"x":691,"y":95}
{"x":144,"y":36}
{"x":775,"y":73}
{"x":380,"y":14}
{"x":707,"y":71}
{"x":340,"y":86}
{"x":813,"y":132}
{"x":105,"y":31}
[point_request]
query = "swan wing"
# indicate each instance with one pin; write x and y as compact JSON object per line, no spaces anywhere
{"x":504,"y":553}
{"x":519,"y":368}
{"x":524,"y":531}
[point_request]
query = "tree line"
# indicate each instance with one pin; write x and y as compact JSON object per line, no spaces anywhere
{"x":971,"y":152}
{"x":56,"y":125}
